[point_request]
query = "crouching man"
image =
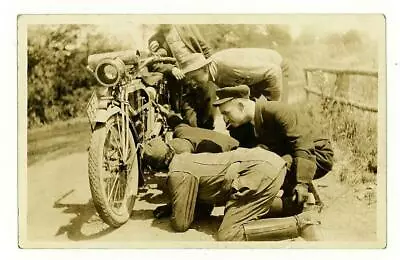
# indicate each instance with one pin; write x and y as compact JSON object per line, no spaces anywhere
{"x":194,"y":139}
{"x":245,"y":180}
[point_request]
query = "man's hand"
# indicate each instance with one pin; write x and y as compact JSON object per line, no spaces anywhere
{"x":153,"y":46}
{"x":231,"y":175}
{"x":163,"y":110}
{"x":178,"y":74}
{"x":301,"y":193}
{"x":163,"y":211}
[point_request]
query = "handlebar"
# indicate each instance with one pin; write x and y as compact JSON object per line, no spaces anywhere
{"x":156,"y":59}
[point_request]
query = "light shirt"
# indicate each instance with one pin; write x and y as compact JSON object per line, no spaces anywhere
{"x":177,"y":46}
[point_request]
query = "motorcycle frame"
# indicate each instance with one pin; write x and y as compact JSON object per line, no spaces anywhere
{"x":120,"y":105}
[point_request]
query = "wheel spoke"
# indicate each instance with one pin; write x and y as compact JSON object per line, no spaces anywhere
{"x":112,"y":188}
{"x":126,"y":138}
{"x":119,"y":127}
{"x":121,"y":191}
{"x":120,"y":133}
{"x":117,"y":143}
{"x":116,"y":191}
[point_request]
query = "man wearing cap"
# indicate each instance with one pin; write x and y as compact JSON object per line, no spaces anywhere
{"x":279,"y":128}
{"x":245,"y":180}
{"x":187,"y":139}
{"x":194,"y":139}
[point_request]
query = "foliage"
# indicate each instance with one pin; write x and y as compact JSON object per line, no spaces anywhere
{"x":58,"y":82}
{"x":353,"y":132}
{"x":221,"y":36}
{"x":354,"y":136}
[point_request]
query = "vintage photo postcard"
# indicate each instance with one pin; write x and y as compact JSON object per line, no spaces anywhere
{"x":202,"y":131}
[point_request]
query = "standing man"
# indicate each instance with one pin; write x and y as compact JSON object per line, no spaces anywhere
{"x":279,"y":128}
{"x":245,"y":180}
{"x":181,"y":41}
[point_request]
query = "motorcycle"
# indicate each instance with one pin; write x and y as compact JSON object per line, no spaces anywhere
{"x":123,"y":114}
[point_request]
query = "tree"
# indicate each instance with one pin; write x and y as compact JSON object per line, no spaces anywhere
{"x":352,"y":39}
{"x":58,"y":83}
{"x":306,"y":37}
{"x":279,"y":34}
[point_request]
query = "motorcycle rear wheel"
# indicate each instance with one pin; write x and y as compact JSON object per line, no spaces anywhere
{"x":113,"y":171}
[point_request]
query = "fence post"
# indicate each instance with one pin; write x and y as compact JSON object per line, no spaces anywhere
{"x":342,"y":85}
{"x":306,"y":79}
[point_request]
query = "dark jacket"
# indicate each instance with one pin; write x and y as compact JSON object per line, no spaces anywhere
{"x":282,"y":130}
{"x":203,"y":140}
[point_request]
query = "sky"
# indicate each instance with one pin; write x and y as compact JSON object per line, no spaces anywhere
{"x":370,"y":25}
{"x":132,"y":33}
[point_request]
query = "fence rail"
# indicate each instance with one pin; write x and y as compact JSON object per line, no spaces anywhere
{"x":343,"y":101}
{"x":342,"y":83}
{"x":361,"y":72}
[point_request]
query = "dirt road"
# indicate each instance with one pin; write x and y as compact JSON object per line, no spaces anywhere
{"x":60,"y":209}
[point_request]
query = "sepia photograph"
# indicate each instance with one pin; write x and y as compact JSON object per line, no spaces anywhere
{"x":202,"y":131}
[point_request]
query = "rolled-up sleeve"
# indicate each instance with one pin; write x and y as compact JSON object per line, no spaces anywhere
{"x":205,"y":47}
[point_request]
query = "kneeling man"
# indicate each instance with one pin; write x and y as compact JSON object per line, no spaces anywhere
{"x":245,"y":180}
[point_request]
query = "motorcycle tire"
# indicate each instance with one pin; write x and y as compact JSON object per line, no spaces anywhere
{"x":113,"y":179}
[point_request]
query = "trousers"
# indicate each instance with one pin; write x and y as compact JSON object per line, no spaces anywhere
{"x":241,"y":206}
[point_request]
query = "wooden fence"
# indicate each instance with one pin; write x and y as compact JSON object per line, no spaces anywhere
{"x":342,"y":85}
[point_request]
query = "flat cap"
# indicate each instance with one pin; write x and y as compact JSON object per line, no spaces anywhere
{"x":154,"y":152}
{"x":181,"y":145}
{"x":228,"y":93}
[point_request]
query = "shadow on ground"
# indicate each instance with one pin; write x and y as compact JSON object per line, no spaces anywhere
{"x":206,"y":224}
{"x":154,"y":198}
{"x":86,"y":224}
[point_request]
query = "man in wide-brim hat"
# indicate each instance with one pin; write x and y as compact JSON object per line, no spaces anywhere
{"x":263,"y":70}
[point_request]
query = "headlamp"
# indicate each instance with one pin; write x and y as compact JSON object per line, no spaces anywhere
{"x":109,"y":72}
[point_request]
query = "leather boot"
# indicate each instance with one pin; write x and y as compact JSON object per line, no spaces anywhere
{"x":308,"y":225}
{"x":275,"y":229}
{"x":284,"y":207}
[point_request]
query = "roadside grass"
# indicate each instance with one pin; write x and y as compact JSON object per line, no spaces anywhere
{"x":353,"y":132}
{"x":354,"y":138}
{"x":58,"y":139}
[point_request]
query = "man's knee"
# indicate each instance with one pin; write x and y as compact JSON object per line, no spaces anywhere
{"x":183,"y":189}
{"x":180,"y":225}
{"x":232,"y":233}
{"x":179,"y":180}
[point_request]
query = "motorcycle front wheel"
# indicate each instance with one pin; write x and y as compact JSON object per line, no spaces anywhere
{"x":113,"y":170}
